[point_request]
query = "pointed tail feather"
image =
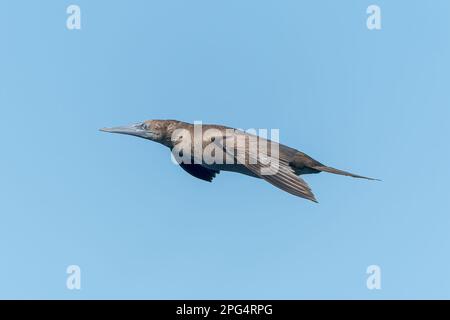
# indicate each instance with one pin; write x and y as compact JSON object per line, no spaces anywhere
{"x":341,"y":172}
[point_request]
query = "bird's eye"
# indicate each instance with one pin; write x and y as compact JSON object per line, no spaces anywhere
{"x":144,"y":126}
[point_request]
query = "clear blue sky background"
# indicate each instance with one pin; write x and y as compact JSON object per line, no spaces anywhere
{"x":373,"y":102}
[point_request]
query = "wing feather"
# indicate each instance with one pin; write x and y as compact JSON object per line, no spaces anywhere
{"x":281,"y":175}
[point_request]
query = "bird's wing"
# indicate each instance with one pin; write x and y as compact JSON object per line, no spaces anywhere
{"x":281,"y":175}
{"x":199,"y":171}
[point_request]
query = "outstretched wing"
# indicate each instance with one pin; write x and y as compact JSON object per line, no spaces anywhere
{"x":272,"y":168}
{"x":199,"y":171}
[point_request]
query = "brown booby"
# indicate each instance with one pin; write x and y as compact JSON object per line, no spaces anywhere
{"x":205,"y":150}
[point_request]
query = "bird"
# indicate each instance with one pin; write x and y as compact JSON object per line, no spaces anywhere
{"x":232,"y":150}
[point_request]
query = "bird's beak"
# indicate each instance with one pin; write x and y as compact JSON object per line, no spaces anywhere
{"x":132,"y":130}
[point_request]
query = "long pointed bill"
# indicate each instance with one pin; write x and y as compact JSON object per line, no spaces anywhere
{"x":132,"y":130}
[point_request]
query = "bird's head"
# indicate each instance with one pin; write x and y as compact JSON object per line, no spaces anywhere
{"x":155,"y":130}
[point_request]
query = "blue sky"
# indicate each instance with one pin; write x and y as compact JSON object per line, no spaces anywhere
{"x":372,"y":102}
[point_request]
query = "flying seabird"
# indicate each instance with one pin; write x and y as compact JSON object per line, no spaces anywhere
{"x":283,"y":165}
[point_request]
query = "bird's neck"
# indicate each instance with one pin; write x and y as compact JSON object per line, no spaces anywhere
{"x":171,"y":127}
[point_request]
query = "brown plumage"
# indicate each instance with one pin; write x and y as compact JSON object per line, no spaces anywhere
{"x":281,"y":170}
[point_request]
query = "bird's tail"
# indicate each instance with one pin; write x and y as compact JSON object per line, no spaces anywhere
{"x":341,"y":172}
